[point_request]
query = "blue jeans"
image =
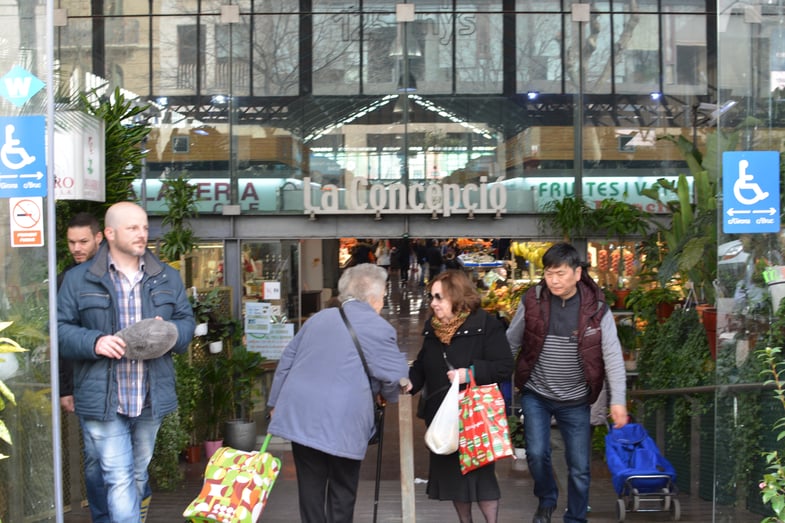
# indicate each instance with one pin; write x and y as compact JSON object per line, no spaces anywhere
{"x":94,"y":481}
{"x":124,"y":447}
{"x":573,"y":423}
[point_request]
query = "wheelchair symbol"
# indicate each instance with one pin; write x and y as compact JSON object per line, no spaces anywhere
{"x":11,"y":150}
{"x":744,"y":183}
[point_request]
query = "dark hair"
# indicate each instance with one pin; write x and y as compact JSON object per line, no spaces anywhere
{"x":85,"y":219}
{"x":459,"y":289}
{"x":560,"y":254}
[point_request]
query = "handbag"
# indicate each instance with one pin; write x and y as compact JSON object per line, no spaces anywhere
{"x":484,"y":434}
{"x":442,"y":434}
{"x":236,"y":486}
{"x":378,"y":408}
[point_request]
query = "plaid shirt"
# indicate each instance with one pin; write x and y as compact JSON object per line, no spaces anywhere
{"x":131,"y":378}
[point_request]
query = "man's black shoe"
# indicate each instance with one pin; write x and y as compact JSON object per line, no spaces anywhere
{"x":543,"y":515}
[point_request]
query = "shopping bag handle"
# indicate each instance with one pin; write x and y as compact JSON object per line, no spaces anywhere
{"x":266,"y":441}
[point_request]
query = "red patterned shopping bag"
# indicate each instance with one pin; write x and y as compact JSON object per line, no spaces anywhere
{"x":236,"y":486}
{"x":484,"y":435}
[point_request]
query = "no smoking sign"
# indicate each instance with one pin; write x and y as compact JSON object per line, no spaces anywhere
{"x":27,"y":226}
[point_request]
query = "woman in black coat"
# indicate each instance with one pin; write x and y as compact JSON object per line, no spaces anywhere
{"x":458,"y":336}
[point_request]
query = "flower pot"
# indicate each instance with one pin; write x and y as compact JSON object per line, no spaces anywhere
{"x":664,"y":311}
{"x":216,"y":347}
{"x":240,"y":434}
{"x":211,"y":446}
{"x":193,"y":454}
{"x":621,"y":298}
{"x":710,"y":324}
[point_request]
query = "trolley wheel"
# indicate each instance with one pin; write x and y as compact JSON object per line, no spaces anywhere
{"x":666,"y":500}
{"x":636,"y":500}
{"x":620,"y":510}
{"x":675,"y":510}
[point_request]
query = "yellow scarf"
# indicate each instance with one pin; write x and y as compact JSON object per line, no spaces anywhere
{"x":445,"y":331}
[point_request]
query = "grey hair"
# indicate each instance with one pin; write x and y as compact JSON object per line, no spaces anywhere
{"x":363,"y":282}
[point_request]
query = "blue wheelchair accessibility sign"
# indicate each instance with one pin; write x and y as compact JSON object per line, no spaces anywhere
{"x":22,"y":156}
{"x":751,"y":192}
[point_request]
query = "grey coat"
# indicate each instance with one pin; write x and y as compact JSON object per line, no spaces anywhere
{"x":320,"y":390}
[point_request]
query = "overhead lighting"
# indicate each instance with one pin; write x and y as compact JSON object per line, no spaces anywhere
{"x":655,"y":95}
{"x":162,"y":100}
{"x":219,"y":99}
{"x":532,"y":95}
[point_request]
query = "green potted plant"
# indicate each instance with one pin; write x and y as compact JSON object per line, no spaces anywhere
{"x":570,"y":217}
{"x":244,"y":368}
{"x":621,"y":221}
{"x":517,"y":435}
{"x":179,"y":240}
{"x":652,"y":301}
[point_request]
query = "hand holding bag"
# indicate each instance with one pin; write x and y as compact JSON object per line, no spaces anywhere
{"x":442,"y":434}
{"x":484,"y":434}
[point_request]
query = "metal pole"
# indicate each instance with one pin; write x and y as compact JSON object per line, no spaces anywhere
{"x":378,"y":465}
{"x":405,"y":430}
{"x":51,"y":223}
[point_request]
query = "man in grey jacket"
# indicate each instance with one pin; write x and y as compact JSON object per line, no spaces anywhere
{"x":120,"y":401}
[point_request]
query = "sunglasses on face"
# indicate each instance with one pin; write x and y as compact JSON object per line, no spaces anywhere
{"x":435,"y":296}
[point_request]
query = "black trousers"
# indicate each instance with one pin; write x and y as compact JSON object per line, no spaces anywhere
{"x":326,"y":484}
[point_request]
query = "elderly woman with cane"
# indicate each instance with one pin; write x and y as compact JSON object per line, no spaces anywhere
{"x":322,"y":393}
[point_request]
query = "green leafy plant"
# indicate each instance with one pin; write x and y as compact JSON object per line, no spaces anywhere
{"x":675,"y":354}
{"x":517,"y":432}
{"x":245,"y":367}
{"x":7,"y":346}
{"x":125,"y":135}
{"x":773,"y":484}
{"x":169,"y":443}
{"x":181,"y":197}
{"x":570,"y":217}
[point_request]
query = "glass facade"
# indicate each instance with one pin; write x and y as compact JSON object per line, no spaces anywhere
{"x":274,"y":106}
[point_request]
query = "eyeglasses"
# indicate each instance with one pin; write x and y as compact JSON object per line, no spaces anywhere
{"x":437,"y":297}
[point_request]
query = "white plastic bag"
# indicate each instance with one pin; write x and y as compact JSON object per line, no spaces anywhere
{"x":442,"y":434}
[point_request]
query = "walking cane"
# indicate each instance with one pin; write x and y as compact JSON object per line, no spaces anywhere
{"x":379,"y":463}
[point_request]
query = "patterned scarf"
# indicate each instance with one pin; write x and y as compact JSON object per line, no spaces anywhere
{"x":445,"y":331}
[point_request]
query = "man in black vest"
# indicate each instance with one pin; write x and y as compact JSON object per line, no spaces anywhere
{"x":569,"y":345}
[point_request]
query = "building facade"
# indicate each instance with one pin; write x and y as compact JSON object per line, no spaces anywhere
{"x":306,"y":122}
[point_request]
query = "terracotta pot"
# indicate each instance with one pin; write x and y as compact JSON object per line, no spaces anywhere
{"x":710,"y":324}
{"x":193,"y":454}
{"x":664,"y":311}
{"x":621,"y":298}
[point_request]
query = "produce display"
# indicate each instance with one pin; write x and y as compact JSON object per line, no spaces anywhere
{"x":503,"y":299}
{"x":530,"y":251}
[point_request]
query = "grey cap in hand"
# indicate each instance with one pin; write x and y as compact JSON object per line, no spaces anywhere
{"x":148,"y":339}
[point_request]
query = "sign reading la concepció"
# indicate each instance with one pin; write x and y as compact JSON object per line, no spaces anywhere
{"x":363,"y":196}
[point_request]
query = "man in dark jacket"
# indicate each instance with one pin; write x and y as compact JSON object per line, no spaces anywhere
{"x":120,"y":401}
{"x":569,"y":346}
{"x":84,"y":237}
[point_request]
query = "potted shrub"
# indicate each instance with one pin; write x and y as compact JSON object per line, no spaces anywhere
{"x":244,"y":367}
{"x":569,"y":217}
{"x":517,"y":435}
{"x":181,"y":197}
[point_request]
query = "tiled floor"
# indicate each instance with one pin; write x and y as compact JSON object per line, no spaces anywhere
{"x":406,"y":310}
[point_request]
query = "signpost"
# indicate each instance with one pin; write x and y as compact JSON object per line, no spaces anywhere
{"x":22,"y":156}
{"x":751,"y":192}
